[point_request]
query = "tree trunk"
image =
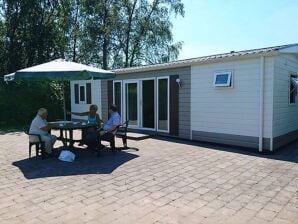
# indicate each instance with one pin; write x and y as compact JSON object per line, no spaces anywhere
{"x":105,"y":38}
{"x":76,"y":27}
{"x":142,"y":33}
{"x":126,"y":51}
{"x":105,"y":54}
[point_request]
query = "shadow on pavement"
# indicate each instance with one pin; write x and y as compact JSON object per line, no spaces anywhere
{"x":286,"y":153}
{"x":86,"y":162}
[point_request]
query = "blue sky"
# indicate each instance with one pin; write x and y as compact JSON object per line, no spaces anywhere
{"x":218,"y":26}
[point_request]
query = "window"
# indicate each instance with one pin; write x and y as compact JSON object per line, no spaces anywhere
{"x":76,"y":88}
{"x":88,"y":93}
{"x":132,"y":105}
{"x":163,"y":104}
{"x":83,"y":93}
{"x":148,"y":105}
{"x":293,"y":89}
{"x":222,"y":79}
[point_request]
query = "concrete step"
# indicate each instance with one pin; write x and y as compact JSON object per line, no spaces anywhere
{"x":137,"y":136}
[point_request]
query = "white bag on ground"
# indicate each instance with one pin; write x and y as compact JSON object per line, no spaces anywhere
{"x":66,"y":156}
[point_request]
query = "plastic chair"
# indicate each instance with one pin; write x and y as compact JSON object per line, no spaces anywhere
{"x":39,"y":145}
{"x":122,"y":133}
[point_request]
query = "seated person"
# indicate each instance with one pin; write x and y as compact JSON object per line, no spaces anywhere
{"x":108,"y":130}
{"x":93,"y":118}
{"x":110,"y":126}
{"x":40,"y":126}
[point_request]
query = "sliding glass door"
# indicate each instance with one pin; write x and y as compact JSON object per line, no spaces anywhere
{"x":132,"y":103}
{"x":148,"y":104}
{"x":144,"y":102}
{"x":163,"y":104}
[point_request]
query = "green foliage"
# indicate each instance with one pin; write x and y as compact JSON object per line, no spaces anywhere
{"x":103,"y":33}
{"x":31,"y":32}
{"x":20,"y":101}
{"x":147,"y":36}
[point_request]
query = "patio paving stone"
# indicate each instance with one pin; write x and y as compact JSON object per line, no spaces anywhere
{"x":167,"y":181}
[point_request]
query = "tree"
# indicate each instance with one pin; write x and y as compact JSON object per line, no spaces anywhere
{"x":3,"y":51}
{"x":127,"y":33}
{"x":108,"y":33}
{"x":34,"y":33}
{"x":104,"y":33}
{"x":147,"y":36}
{"x":100,"y":20}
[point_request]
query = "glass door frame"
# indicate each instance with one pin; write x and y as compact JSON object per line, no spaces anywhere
{"x":141,"y":103}
{"x":124,"y":94}
{"x":121,"y":106}
{"x":168,"y":106}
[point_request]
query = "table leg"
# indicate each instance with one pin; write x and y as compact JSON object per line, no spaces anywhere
{"x":63,"y":138}
{"x":71,"y":138}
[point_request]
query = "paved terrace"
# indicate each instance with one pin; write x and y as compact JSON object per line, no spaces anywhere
{"x":164,"y":182}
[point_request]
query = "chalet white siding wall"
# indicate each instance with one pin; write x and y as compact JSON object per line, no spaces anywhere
{"x":232,"y":111}
{"x":285,"y":116}
{"x":95,"y":97}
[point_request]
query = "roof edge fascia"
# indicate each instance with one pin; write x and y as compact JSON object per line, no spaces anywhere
{"x":190,"y":62}
{"x":289,"y":50}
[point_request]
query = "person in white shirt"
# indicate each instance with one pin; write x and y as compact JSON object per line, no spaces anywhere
{"x":40,"y":126}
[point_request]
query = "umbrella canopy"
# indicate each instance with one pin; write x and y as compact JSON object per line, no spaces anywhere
{"x":60,"y":69}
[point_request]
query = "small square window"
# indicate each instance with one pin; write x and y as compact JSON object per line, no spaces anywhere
{"x":222,"y":79}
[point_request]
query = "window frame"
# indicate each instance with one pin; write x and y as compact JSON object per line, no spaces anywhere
{"x":229,"y":82}
{"x":292,"y":76}
{"x":142,"y":100}
{"x":88,"y":94}
{"x":82,"y":101}
{"x":76,"y":88}
{"x":168,"y":104}
{"x":125,"y":107}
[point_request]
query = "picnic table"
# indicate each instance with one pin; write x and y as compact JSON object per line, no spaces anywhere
{"x":66,"y":129}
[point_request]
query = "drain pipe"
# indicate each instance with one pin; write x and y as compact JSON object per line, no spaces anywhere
{"x":261,"y":112}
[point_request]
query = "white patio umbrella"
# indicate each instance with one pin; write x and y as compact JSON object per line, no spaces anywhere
{"x":60,"y":70}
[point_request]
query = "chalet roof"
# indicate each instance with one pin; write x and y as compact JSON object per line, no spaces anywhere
{"x":212,"y":58}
